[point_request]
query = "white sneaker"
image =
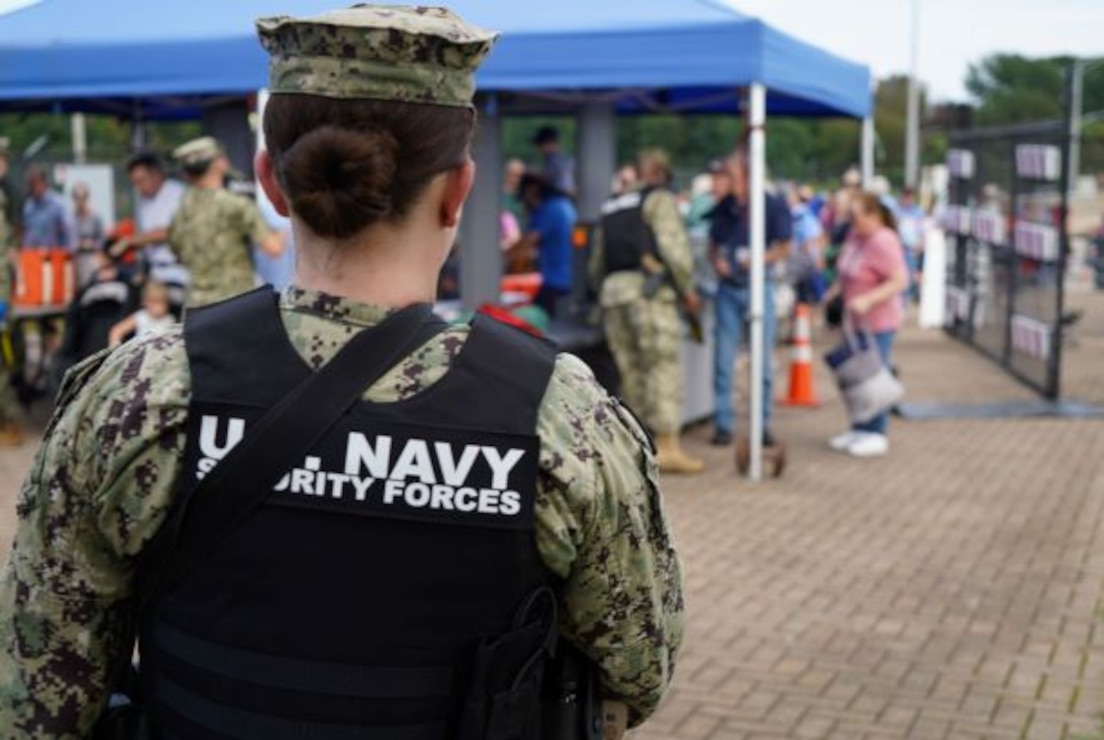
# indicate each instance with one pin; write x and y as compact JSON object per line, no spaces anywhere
{"x":843,"y":442}
{"x":869,"y":445}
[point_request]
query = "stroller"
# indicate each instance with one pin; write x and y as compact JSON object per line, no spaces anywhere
{"x":98,"y":307}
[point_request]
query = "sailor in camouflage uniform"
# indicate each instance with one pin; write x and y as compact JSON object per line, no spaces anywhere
{"x":214,"y":230}
{"x":111,"y":462}
{"x":640,"y":303}
{"x":10,"y":433}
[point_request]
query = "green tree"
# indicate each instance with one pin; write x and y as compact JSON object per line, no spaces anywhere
{"x":1010,"y":88}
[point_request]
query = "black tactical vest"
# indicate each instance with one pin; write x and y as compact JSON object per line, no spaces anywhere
{"x":353,"y":603}
{"x":626,"y":237}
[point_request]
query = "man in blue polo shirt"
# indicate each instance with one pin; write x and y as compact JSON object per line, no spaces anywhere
{"x":730,"y":239}
{"x":552,"y":218}
{"x":46,"y":219}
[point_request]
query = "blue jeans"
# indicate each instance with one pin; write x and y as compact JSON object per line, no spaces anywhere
{"x":733,"y":306}
{"x":880,"y":424}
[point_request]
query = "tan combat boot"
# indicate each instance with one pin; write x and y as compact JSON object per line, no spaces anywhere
{"x":10,"y":435}
{"x":672,"y":459}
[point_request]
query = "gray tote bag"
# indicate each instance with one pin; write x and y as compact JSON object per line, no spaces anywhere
{"x":868,"y":386}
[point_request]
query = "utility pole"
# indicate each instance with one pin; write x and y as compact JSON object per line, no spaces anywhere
{"x":1077,"y":105}
{"x":912,"y":136}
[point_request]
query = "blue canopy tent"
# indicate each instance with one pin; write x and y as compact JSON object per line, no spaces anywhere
{"x":166,"y":58}
{"x":688,"y":55}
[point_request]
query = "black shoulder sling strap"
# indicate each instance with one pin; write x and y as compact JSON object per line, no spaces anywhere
{"x":283,"y":434}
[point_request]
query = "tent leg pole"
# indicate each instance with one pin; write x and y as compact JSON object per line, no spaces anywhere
{"x":757,"y":165}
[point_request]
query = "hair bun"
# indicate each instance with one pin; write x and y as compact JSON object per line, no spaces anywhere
{"x":340,"y":181}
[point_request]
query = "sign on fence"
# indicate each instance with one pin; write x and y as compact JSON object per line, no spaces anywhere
{"x":1005,"y":225}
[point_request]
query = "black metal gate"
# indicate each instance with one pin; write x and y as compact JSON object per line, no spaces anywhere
{"x":1008,"y":247}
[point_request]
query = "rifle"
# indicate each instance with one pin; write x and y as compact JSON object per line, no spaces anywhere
{"x":655,"y":278}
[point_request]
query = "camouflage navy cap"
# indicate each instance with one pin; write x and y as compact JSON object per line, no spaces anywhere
{"x":197,"y":151}
{"x":378,"y":52}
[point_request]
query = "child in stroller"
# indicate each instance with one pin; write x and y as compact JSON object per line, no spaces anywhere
{"x":154,"y":317}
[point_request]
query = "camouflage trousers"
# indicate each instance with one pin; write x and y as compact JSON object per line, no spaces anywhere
{"x":645,"y":337}
{"x":9,"y":403}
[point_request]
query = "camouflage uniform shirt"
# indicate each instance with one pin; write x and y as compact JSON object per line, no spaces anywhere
{"x":212,"y":234}
{"x":104,"y":477}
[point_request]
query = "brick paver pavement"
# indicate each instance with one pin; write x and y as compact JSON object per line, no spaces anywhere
{"x":1083,"y":354}
{"x":952,"y":590}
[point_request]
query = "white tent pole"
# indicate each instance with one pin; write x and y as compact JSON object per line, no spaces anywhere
{"x":757,"y":165}
{"x":79,"y":131}
{"x":867,"y":150}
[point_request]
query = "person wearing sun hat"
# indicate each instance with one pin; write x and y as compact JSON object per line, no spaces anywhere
{"x":403,"y":574}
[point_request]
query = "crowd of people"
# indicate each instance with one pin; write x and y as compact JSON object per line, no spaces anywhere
{"x":849,"y":250}
{"x":189,"y":244}
{"x":855,"y":253}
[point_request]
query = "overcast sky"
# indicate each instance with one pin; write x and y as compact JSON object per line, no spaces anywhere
{"x":953,"y":33}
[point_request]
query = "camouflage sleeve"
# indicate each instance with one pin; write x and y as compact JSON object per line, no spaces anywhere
{"x":98,"y":490}
{"x":173,"y":231}
{"x":662,"y":215}
{"x":600,"y":526}
{"x":252,"y":221}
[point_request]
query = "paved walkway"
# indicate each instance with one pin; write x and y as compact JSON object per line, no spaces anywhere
{"x":952,"y":590}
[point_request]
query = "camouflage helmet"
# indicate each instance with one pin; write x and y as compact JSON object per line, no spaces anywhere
{"x":378,"y":52}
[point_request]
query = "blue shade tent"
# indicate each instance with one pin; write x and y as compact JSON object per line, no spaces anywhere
{"x":163,"y":57}
{"x":676,"y":55}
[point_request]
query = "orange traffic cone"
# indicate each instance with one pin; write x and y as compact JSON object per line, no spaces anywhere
{"x":802,"y":392}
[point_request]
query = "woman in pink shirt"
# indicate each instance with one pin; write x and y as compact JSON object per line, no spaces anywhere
{"x":872,"y":278}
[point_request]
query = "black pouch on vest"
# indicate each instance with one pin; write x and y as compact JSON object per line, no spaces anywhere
{"x":506,"y":676}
